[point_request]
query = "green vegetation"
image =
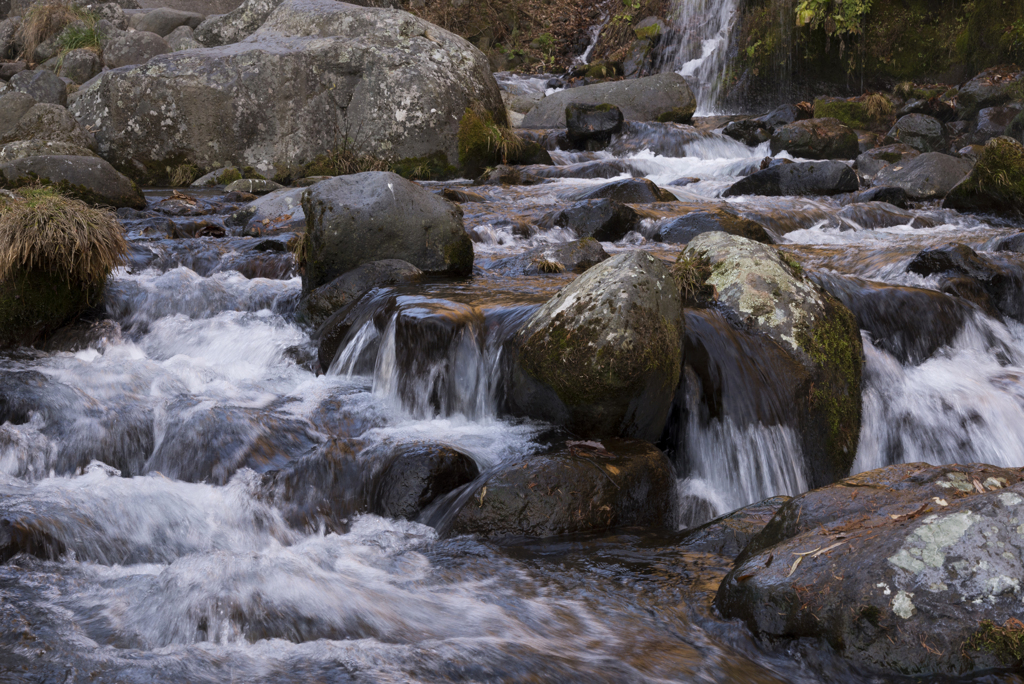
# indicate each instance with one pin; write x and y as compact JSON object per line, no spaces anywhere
{"x":1006,"y":642}
{"x":997,"y":181}
{"x":44,"y":20}
{"x":77,"y":37}
{"x":691,"y":272}
{"x":867,"y":112}
{"x":484,"y":142}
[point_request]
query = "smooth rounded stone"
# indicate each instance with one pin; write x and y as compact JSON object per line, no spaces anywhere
{"x":990,"y":88}
{"x":602,"y":357}
{"x":868,"y":215}
{"x":910,"y":323}
{"x":564,"y":257}
{"x":163,"y":20}
{"x":136,"y":47}
{"x":219,"y":176}
{"x":461,"y":196}
{"x":80,"y":65}
{"x":369,"y":216}
{"x":906,"y":564}
{"x":919,"y":131}
{"x":816,"y":139}
{"x":13,"y":106}
{"x":42,"y":85}
{"x":664,"y":97}
{"x":600,"y":168}
{"x":8,"y":69}
{"x":587,"y":487}
{"x":89,"y":179}
{"x":182,"y":38}
{"x":627,"y":191}
{"x":49,"y":122}
{"x":317,"y":306}
{"x":728,"y":534}
{"x":277,"y":212}
{"x":38,"y":148}
{"x":607,"y":220}
{"x":995,"y":184}
{"x":255,"y":186}
{"x":992,"y":278}
{"x":751,"y":132}
{"x":805,"y":178}
{"x":763,"y":293}
{"x":871,"y":162}
{"x":782,"y":115}
{"x":890,"y":195}
{"x":415,"y":475}
{"x":928,"y":176}
{"x":591,"y":125}
{"x":332,"y":66}
{"x":681,"y":229}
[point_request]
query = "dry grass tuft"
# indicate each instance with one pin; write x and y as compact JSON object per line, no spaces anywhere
{"x":41,"y":229}
{"x":878,"y":106}
{"x":44,"y":20}
{"x":183,"y":175}
{"x":342,"y":161}
{"x":691,"y":272}
{"x":904,"y":89}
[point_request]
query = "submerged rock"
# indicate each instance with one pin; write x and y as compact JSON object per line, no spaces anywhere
{"x":816,"y":139}
{"x":910,"y":569}
{"x":996,"y":183}
{"x":602,"y":357}
{"x":564,"y":257}
{"x":586,"y":487}
{"x":352,"y":220}
{"x":807,"y":178}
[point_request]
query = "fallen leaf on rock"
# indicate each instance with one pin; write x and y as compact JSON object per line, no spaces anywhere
{"x":941,"y":502}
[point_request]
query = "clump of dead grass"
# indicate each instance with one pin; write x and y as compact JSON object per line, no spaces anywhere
{"x":44,"y":20}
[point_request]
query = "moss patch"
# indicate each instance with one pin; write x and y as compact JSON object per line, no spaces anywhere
{"x":1006,"y":643}
{"x":681,"y":115}
{"x":996,"y":183}
{"x":484,"y":143}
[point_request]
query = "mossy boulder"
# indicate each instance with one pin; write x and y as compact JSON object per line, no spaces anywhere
{"x":855,"y":113}
{"x":352,"y":220}
{"x":910,"y":569}
{"x":603,"y":356}
{"x":993,"y":86}
{"x":763,"y":293}
{"x":89,"y":179}
{"x":996,"y":184}
{"x":816,"y":139}
{"x":485,"y":143}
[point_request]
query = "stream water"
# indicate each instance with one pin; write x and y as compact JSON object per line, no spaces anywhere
{"x":145,"y":460}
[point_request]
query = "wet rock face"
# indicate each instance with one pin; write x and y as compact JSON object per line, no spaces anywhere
{"x":897,"y":569}
{"x":929,"y":176}
{"x":586,"y":487}
{"x":629,"y":191}
{"x":317,"y":306}
{"x":996,"y":183}
{"x":592,"y":126}
{"x":315,"y":72}
{"x":808,"y":178}
{"x":763,"y":293}
{"x":602,"y":357}
{"x":871,"y":162}
{"x":682,"y":229}
{"x":750,"y":132}
{"x":990,"y":88}
{"x":816,"y":139}
{"x":919,"y":131}
{"x":607,"y":220}
{"x":352,"y":220}
{"x":416,"y":475}
{"x":565,"y":257}
{"x":996,"y":282}
{"x":727,"y":535}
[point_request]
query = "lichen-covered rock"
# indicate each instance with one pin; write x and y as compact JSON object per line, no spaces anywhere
{"x":182,"y":38}
{"x":807,"y":178}
{"x":919,"y":131}
{"x":765,"y":294}
{"x":602,"y":357}
{"x":587,"y":487}
{"x":563,"y":257}
{"x":39,"y":148}
{"x":135,"y":47}
{"x":898,"y":569}
{"x":235,"y":25}
{"x":44,"y":86}
{"x":13,"y":106}
{"x":664,"y":97}
{"x":316,"y":72}
{"x":89,"y":179}
{"x":816,"y":139}
{"x":996,"y":183}
{"x":352,"y":220}
{"x":80,"y":65}
{"x":928,"y":176}
{"x":49,"y":122}
{"x":163,"y":20}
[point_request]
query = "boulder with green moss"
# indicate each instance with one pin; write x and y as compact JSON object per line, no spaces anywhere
{"x":863,"y":113}
{"x":996,"y":184}
{"x":764,"y":293}
{"x":89,"y":179}
{"x":55,"y":256}
{"x":603,"y":356}
{"x":352,"y":220}
{"x":486,"y":143}
{"x":912,"y":569}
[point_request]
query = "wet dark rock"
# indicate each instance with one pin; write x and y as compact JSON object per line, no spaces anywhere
{"x":868,"y":215}
{"x":586,"y":487}
{"x":919,"y":131}
{"x":871,"y":162}
{"x":816,"y":139}
{"x":750,"y":132}
{"x":606,"y":220}
{"x":1013,"y":243}
{"x":890,"y":195}
{"x":90,"y":179}
{"x":896,"y":569}
{"x":928,"y":176}
{"x":727,"y":535}
{"x":807,"y":178}
{"x":84,"y":334}
{"x":627,"y":191}
{"x":1002,"y":282}
{"x":681,"y":229}
{"x":666,"y":139}
{"x":255,"y":186}
{"x":274,"y":213}
{"x":415,"y":475}
{"x":908,"y":322}
{"x":459,"y":195}
{"x":990,"y":88}
{"x":318,"y":305}
{"x":42,"y":85}
{"x":564,"y":257}
{"x":664,"y":97}
{"x":602,"y":168}
{"x":933,"y":107}
{"x":602,"y":356}
{"x":995,"y":184}
{"x":592,"y":126}
{"x":369,"y":216}
{"x":782,"y":115}
{"x":992,"y":122}
{"x":757,"y":290}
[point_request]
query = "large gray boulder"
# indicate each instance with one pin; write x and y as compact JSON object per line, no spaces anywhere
{"x":808,"y":178}
{"x":44,"y":86}
{"x":919,"y":131}
{"x":80,"y":65}
{"x":182,"y":38}
{"x":207,"y":7}
{"x":824,"y":138}
{"x":90,"y":179}
{"x":665,"y":97}
{"x":13,"y":106}
{"x":317,"y":72}
{"x":134,"y":47}
{"x":317,"y":306}
{"x":48,"y":122}
{"x":603,"y":356}
{"x":236,"y":25}
{"x":163,"y":20}
{"x":352,"y":220}
{"x":929,"y":176}
{"x":41,"y":148}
